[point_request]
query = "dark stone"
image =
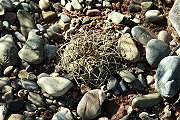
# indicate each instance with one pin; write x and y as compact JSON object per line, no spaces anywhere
{"x":134,"y":8}
{"x":16,"y":105}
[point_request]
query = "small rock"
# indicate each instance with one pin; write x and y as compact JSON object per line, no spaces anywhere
{"x":86,"y":20}
{"x":65,"y":18}
{"x":24,"y":6}
{"x":112,"y":83}
{"x":90,"y":105}
{"x":141,"y":35}
{"x":149,"y":79}
{"x":2,"y":10}
{"x":49,"y":16}
{"x":156,"y":50}
{"x":51,"y":85}
{"x":10,"y":17}
{"x":63,"y":114}
{"x":117,"y":17}
{"x":7,"y":88}
{"x":164,"y":36}
{"x":127,"y":76}
{"x":44,"y":4}
{"x":3,"y":111}
{"x":19,"y":36}
{"x":8,"y":6}
{"x":137,"y":84}
{"x":147,"y":5}
{"x":122,"y":88}
{"x":29,"y":85}
{"x":142,"y":79}
{"x":93,"y":12}
{"x":49,"y":51}
{"x":30,"y":107}
{"x":76,"y":5}
{"x":16,"y":105}
{"x":8,"y":70}
{"x":36,"y":98}
{"x":146,"y":101}
{"x":167,"y":76}
{"x":69,"y":7}
{"x":34,"y":8}
{"x":153,"y":15}
{"x":16,"y":117}
{"x":134,"y":8}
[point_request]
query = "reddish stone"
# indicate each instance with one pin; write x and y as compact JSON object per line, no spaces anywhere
{"x":93,"y":12}
{"x":10,"y":17}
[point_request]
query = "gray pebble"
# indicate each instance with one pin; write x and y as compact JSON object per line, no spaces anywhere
{"x":112,"y":83}
{"x":153,"y":15}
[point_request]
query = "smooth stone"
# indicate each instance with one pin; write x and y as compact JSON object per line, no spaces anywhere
{"x":3,"y":111}
{"x":65,"y":18}
{"x":8,"y":51}
{"x":63,"y":114}
{"x":19,"y":36}
{"x":23,"y":74}
{"x":16,"y":117}
{"x":156,"y":50}
{"x":69,"y":7}
{"x":93,"y":12}
{"x":2,"y":10}
{"x":117,"y":17}
{"x":137,"y":85}
{"x":8,"y":96}
{"x":164,"y":36}
{"x":55,"y":28}
{"x":41,"y":28}
{"x":26,"y":22}
{"x":44,"y":4}
{"x":32,"y":51}
{"x":146,"y":101}
{"x":24,"y":6}
{"x":173,"y":43}
{"x":29,"y":85}
{"x":122,"y":88}
{"x":142,"y":79}
{"x":49,"y":51}
{"x":136,"y":21}
{"x":127,"y":76}
{"x":51,"y":85}
{"x":30,"y":107}
{"x":8,"y":70}
{"x":76,"y":5}
{"x":36,"y":98}
{"x":7,"y":88}
{"x":10,"y":17}
{"x":16,"y":105}
{"x":31,"y":77}
{"x":4,"y":81}
{"x":147,"y":5}
{"x":33,"y":7}
{"x":141,"y":35}
{"x":49,"y":16}
{"x":134,"y":8}
{"x":174,"y":16}
{"x":112,"y":83}
{"x":153,"y":15}
{"x":6,"y":24}
{"x":89,"y":106}
{"x":128,"y":49}
{"x":8,"y":6}
{"x":57,"y":6}
{"x":167,"y":80}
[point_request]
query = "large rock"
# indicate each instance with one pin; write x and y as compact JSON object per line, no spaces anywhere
{"x":8,"y":51}
{"x":26,"y":22}
{"x":167,"y":78}
{"x":63,"y":114}
{"x":32,"y":51}
{"x":148,"y":100}
{"x":174,"y":16}
{"x":141,"y":35}
{"x":55,"y":86}
{"x":156,"y":50}
{"x":128,"y":48}
{"x":90,"y":105}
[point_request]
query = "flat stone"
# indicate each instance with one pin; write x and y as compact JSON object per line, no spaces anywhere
{"x":117,"y":17}
{"x":36,"y":98}
{"x":16,"y":117}
{"x":8,"y":51}
{"x":76,"y":5}
{"x":32,"y":51}
{"x":49,"y":16}
{"x":2,"y":10}
{"x":55,"y":86}
{"x":63,"y":114}
{"x":26,"y":22}
{"x":141,"y":35}
{"x":174,"y":16}
{"x":167,"y":80}
{"x":156,"y":50}
{"x":164,"y":36}
{"x":127,"y":76}
{"x":112,"y":83}
{"x":89,"y":106}
{"x":29,"y":85}
{"x":128,"y":48}
{"x":24,"y":6}
{"x":16,"y":105}
{"x":146,"y":101}
{"x":153,"y":15}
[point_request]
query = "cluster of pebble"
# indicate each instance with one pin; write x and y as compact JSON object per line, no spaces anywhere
{"x":29,"y":39}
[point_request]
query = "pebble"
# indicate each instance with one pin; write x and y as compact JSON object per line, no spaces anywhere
{"x":30,"y":107}
{"x":134,"y":8}
{"x":8,"y":70}
{"x":76,"y":5}
{"x":51,"y":85}
{"x":19,"y":36}
{"x":89,"y":106}
{"x":112,"y":83}
{"x":24,"y":6}
{"x":16,"y":105}
{"x":164,"y":36}
{"x":93,"y":12}
{"x":116,"y":17}
{"x":156,"y":50}
{"x":23,"y":74}
{"x":49,"y":16}
{"x":16,"y":117}
{"x":3,"y":111}
{"x":10,"y":17}
{"x":142,"y":79}
{"x":26,"y":22}
{"x":137,"y":84}
{"x":8,"y":6}
{"x":65,"y":18}
{"x":44,"y":4}
{"x":174,"y":16}
{"x":146,"y":101}
{"x":69,"y":7}
{"x":7,"y":45}
{"x":127,"y":76}
{"x":149,"y":79}
{"x":49,"y":51}
{"x":167,"y":76}
{"x":122,"y":88}
{"x":126,"y":30}
{"x":36,"y":98}
{"x":2,"y":10}
{"x":7,"y":88}
{"x":147,"y":5}
{"x":86,"y":20}
{"x":34,"y":8}
{"x":63,"y":114}
{"x":64,"y":26}
{"x":128,"y":49}
{"x":29,"y":85}
{"x":32,"y":51}
{"x":141,"y":35}
{"x":153,"y":15}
